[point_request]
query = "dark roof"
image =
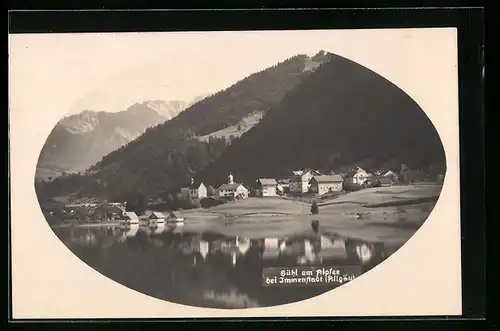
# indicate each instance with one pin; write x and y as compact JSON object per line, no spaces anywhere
{"x":233,"y":186}
{"x":195,"y":185}
{"x":328,"y":179}
{"x":156,"y":215}
{"x":350,"y":174}
{"x":267,"y":181}
{"x":174,"y":213}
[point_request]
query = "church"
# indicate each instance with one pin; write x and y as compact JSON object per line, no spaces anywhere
{"x":232,"y":190}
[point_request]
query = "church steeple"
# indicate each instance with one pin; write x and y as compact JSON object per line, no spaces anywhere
{"x":230,"y":179}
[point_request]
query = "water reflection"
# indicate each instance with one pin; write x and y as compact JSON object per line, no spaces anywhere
{"x":210,"y":269}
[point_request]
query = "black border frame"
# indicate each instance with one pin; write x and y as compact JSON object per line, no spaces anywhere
{"x":471,"y":33}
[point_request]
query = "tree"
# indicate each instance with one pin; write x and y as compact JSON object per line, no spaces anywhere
{"x":137,"y":204}
{"x":314,"y":208}
{"x":169,"y":198}
{"x":210,"y":190}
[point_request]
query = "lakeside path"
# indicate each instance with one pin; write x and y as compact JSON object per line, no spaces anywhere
{"x":388,"y":214}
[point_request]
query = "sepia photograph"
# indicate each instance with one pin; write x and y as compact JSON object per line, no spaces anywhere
{"x":233,"y":170}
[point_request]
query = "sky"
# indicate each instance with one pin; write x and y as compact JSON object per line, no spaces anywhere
{"x":110,"y":71}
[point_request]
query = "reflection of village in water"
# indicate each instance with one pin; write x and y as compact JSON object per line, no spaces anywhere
{"x":210,"y":269}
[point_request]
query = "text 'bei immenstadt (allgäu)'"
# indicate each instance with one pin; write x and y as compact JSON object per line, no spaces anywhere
{"x":303,"y":276}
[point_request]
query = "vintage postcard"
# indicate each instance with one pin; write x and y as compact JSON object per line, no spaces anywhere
{"x":235,"y":174}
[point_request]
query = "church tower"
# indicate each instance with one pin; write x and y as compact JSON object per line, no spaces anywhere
{"x":230,"y":179}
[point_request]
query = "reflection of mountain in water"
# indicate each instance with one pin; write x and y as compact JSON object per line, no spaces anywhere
{"x":209,"y":269}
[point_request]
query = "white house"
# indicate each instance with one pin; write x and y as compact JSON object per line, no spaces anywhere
{"x":232,"y":190}
{"x":299,"y":182}
{"x":357,"y":177}
{"x":156,"y":218}
{"x":267,"y":187}
{"x":327,"y":183}
{"x":197,"y":191}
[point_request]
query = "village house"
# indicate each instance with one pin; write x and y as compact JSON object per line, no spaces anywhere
{"x":174,"y":217}
{"x":232,"y":190}
{"x":356,"y":177}
{"x":299,"y":182}
{"x":267,"y":187}
{"x":280,"y":190}
{"x":129,"y":218}
{"x":327,"y":183}
{"x":195,"y":190}
{"x":393,"y":176}
{"x":108,"y":212}
{"x":156,"y":218}
{"x":283,"y":186}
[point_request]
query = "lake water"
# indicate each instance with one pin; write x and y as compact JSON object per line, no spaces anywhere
{"x":207,"y":269}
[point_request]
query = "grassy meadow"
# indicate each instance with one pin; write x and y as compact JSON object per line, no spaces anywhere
{"x":389,"y":214}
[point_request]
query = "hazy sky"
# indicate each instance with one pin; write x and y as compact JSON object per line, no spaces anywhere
{"x":109,"y":72}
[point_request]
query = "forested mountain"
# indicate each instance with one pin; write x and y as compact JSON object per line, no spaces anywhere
{"x":167,"y":155}
{"x":342,"y":115}
{"x":80,"y":140}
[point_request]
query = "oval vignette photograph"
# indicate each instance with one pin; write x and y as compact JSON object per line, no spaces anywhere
{"x":237,"y":170}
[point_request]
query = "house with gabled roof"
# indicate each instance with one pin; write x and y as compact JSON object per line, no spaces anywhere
{"x":299,"y":181}
{"x":326,"y":183}
{"x":232,"y":190}
{"x":356,"y":177}
{"x":392,"y":175}
{"x":174,"y":217}
{"x":156,"y":218}
{"x":267,"y":187}
{"x":195,"y":190}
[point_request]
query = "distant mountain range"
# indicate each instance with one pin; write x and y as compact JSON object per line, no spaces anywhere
{"x":322,"y":112}
{"x":80,"y":140}
{"x":167,"y":155}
